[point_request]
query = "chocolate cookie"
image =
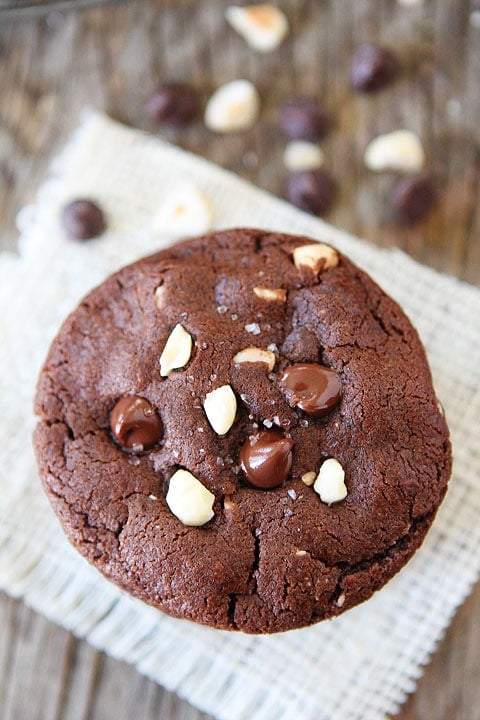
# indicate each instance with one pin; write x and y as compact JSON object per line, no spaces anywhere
{"x":242,"y":431}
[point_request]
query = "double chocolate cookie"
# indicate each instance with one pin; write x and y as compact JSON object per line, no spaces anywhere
{"x":242,"y":431}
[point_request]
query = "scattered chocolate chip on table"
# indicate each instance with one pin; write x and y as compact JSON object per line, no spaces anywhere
{"x":173,"y":104}
{"x":312,"y":190}
{"x":83,"y":219}
{"x":304,"y":117}
{"x":373,"y":68}
{"x":413,"y":198}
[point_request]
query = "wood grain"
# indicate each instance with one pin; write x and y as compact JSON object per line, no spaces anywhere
{"x":15,"y":9}
{"x":111,"y":58}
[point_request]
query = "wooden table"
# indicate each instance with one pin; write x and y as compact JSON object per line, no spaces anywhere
{"x":110,"y":58}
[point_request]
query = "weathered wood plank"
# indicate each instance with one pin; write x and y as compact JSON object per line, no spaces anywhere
{"x":79,"y":686}
{"x":46,"y":674}
{"x":35,"y":654}
{"x":450,"y":688}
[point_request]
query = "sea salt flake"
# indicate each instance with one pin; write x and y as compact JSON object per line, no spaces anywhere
{"x":253,"y":328}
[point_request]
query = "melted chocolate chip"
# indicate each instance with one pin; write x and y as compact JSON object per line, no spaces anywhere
{"x":373,"y":67}
{"x":173,"y":104}
{"x":313,"y":190}
{"x":304,"y":118}
{"x":83,"y":219}
{"x":413,"y":199}
{"x":135,"y":424}
{"x":313,"y":388}
{"x":266,"y":459}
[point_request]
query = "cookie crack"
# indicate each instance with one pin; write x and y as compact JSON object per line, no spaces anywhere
{"x":252,"y":576}
{"x":231,"y":607}
{"x":389,"y":329}
{"x":399,"y":544}
{"x":251,"y":580}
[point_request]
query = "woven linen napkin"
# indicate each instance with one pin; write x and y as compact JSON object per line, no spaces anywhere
{"x":361,"y":665}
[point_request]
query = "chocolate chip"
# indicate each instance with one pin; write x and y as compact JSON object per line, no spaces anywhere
{"x":173,"y":104}
{"x":313,"y":388}
{"x":266,"y":459}
{"x":373,"y":67}
{"x":304,"y":118}
{"x":412,"y":199}
{"x":83,"y":219}
{"x":135,"y":424}
{"x":314,"y":190}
